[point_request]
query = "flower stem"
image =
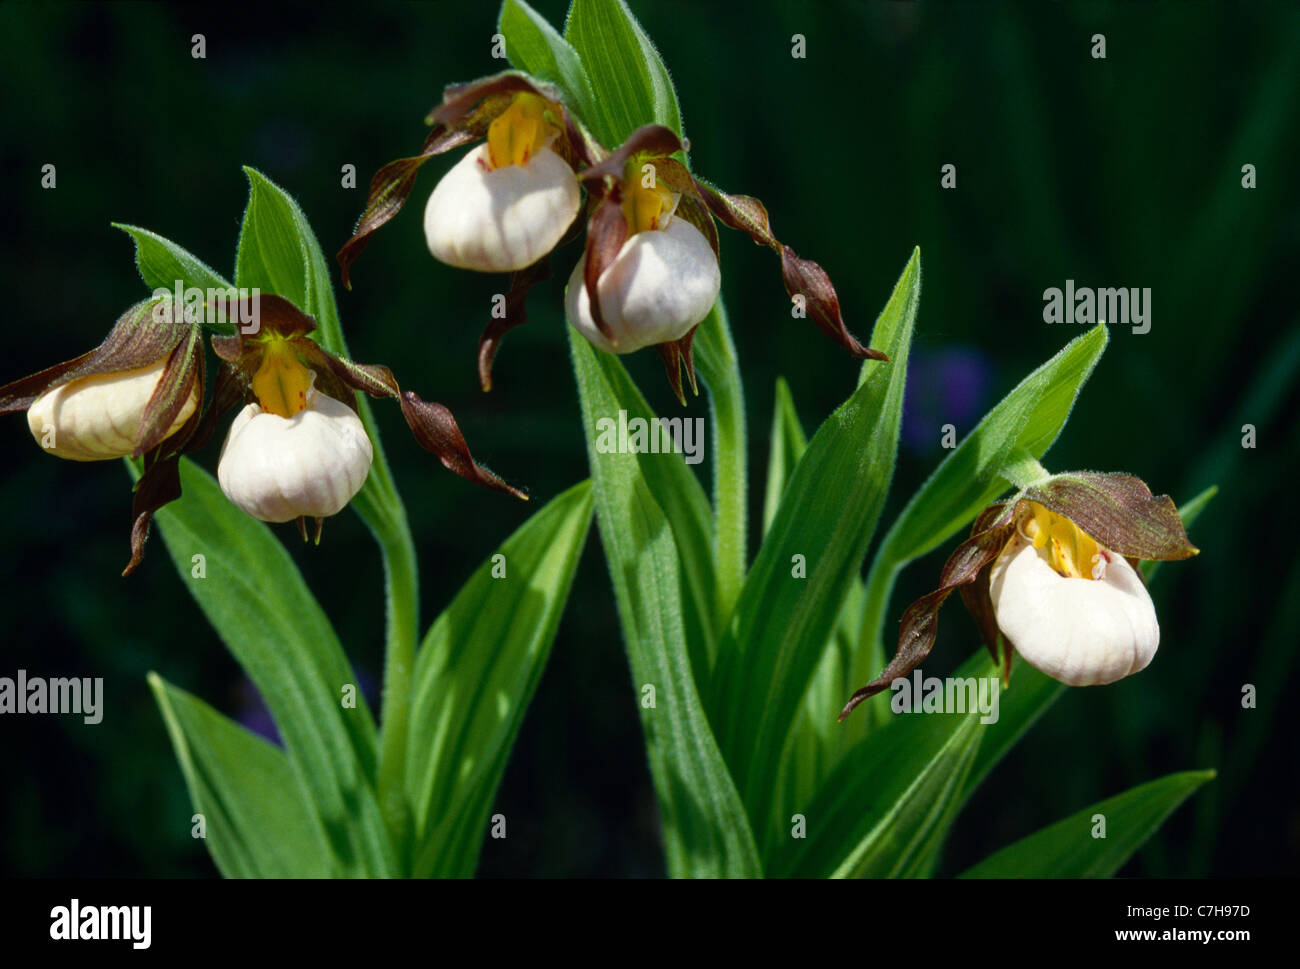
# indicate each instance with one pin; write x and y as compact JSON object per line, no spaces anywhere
{"x":381,"y":507}
{"x":403,"y":604}
{"x":1023,"y":470}
{"x":719,"y":368}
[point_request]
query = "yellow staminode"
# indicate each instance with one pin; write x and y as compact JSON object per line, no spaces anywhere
{"x":645,"y":207}
{"x":282,"y":383}
{"x":1070,"y":551}
{"x":519,"y":132}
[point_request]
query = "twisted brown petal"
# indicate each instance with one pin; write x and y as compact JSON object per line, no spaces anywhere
{"x":921,"y":620}
{"x":389,"y":189}
{"x":516,"y":314}
{"x":606,"y":233}
{"x":692,"y":210}
{"x":143,"y":335}
{"x":159,"y":485}
{"x":650,"y":139}
{"x":676,"y":354}
{"x":802,"y":276}
{"x":431,"y":423}
{"x":181,"y":374}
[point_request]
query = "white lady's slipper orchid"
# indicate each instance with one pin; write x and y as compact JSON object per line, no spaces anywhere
{"x":1073,"y":609}
{"x":662,"y":283}
{"x":97,"y":418}
{"x":295,"y":453}
{"x":1049,"y":575}
{"x":137,"y":395}
{"x":508,"y":202}
{"x":306,"y":466}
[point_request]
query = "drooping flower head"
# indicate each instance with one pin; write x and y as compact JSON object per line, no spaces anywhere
{"x":646,"y":276}
{"x":510,"y":200}
{"x":297,"y":448}
{"x":137,"y":389}
{"x":504,"y":206}
{"x":1052,"y":574}
{"x":138,"y":395}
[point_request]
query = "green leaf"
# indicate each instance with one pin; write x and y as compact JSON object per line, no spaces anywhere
{"x":880,"y":809}
{"x":475,"y":675}
{"x":813,"y":748}
{"x":256,"y":820}
{"x":787,"y":447}
{"x":1027,"y":420}
{"x":279,"y":253}
{"x":1068,"y":848}
{"x":256,"y":600}
{"x":162,"y":263}
{"x":706,"y":831}
{"x":536,"y":48}
{"x":782,"y":623}
{"x":680,"y":496}
{"x":625,"y":70}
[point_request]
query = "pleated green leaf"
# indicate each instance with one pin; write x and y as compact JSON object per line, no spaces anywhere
{"x":632,"y":84}
{"x":880,"y":810}
{"x":787,"y":444}
{"x":162,"y":264}
{"x":256,"y":822}
{"x":1071,"y":848}
{"x":807,"y":760}
{"x":706,"y":830}
{"x":783,"y":620}
{"x":475,"y":675}
{"x":256,"y":600}
{"x":536,"y":48}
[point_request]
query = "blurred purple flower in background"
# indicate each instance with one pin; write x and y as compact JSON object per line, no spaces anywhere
{"x":948,"y":386}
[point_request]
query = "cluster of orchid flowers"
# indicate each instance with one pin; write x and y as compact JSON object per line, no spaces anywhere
{"x":1049,"y":574}
{"x":649,"y":273}
{"x":296,"y":449}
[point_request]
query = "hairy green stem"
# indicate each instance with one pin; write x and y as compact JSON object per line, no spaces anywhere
{"x":381,"y":507}
{"x":720,"y":371}
{"x":403,"y":605}
{"x":1023,"y":470}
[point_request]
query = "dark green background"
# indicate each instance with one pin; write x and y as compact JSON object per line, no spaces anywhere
{"x":1117,"y":172}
